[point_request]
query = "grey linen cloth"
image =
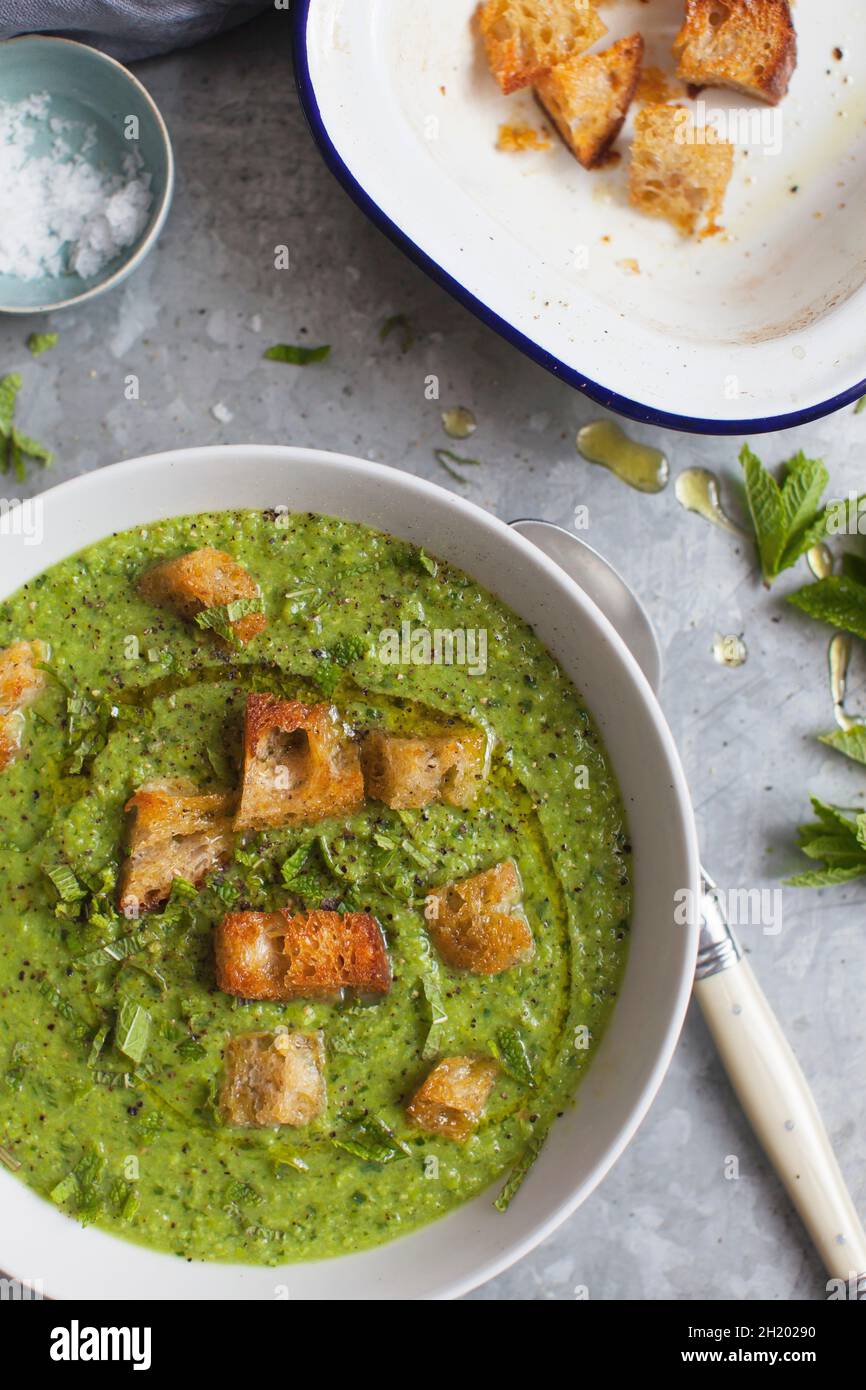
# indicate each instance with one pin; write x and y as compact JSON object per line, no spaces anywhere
{"x":127,"y":29}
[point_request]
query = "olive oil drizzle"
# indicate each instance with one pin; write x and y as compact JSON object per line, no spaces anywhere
{"x":697,"y":490}
{"x":640,"y":465}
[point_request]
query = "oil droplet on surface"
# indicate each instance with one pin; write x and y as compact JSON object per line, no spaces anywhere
{"x":730,"y":650}
{"x":639,"y":465}
{"x":697,"y":489}
{"x":839,"y":658}
{"x":820,"y":561}
{"x":459,"y":422}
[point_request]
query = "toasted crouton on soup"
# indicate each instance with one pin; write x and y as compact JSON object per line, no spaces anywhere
{"x":750,"y":45}
{"x":588,"y":97}
{"x":452,"y":1099}
{"x":300,"y":764}
{"x":314,"y":955}
{"x":413,"y":772}
{"x":21,"y":680}
{"x":273,"y":1079}
{"x":177,"y":832}
{"x":525,"y":38}
{"x":679,"y":170}
{"x":204,"y":579}
{"x":477,"y":923}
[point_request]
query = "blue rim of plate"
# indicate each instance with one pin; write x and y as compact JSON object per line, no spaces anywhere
{"x":611,"y":400}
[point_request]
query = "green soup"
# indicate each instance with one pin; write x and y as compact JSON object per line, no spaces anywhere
{"x":131,"y":1140}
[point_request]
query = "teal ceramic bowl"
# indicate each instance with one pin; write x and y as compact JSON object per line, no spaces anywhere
{"x":97,"y":95}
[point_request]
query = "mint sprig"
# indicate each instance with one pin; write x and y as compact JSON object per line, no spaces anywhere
{"x":837,"y":842}
{"x":787,"y":517}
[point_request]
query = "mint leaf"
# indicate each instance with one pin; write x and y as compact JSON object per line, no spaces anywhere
{"x":802,"y":491}
{"x":851,"y":742}
{"x":788,"y":519}
{"x":42,"y":342}
{"x":510,"y":1050}
{"x":839,"y":601}
{"x":67,"y":885}
{"x":31,"y":447}
{"x":447,"y":457}
{"x":9,"y":387}
{"x":407,"y":332}
{"x":860,"y":406}
{"x":222,"y":617}
{"x":343,"y":653}
{"x":431,"y":984}
{"x":836,"y":841}
{"x":16,"y":447}
{"x":373,"y":1141}
{"x":825,"y":878}
{"x":767,"y":511}
{"x":297,"y":356}
{"x":518,"y":1174}
{"x":132,"y":1030}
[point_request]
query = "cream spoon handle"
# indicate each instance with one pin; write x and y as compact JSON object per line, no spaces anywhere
{"x":776,"y":1098}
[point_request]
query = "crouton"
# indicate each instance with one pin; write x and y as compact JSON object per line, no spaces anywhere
{"x":525,"y":38}
{"x":177,"y":832}
{"x":21,"y":681}
{"x":679,"y":171}
{"x":203,"y":579}
{"x":452,"y":1099}
{"x":273,"y":1079}
{"x":315,"y":955}
{"x":588,"y":97}
{"x":413,"y":772}
{"x":750,"y":45}
{"x":477,"y":924}
{"x":300,"y":765}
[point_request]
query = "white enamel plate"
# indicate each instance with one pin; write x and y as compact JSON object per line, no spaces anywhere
{"x":758,"y":328}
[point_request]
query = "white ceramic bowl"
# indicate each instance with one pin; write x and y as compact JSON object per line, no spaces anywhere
{"x":758,"y":330}
{"x":475,"y":1242}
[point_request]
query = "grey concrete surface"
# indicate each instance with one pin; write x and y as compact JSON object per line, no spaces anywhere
{"x":666,"y":1223}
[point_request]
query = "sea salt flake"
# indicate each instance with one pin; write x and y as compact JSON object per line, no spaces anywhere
{"x":57,"y":212}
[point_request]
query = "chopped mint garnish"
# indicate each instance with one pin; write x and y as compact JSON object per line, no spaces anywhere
{"x":42,"y":342}
{"x":344,"y":652}
{"x":373,"y":1141}
{"x":221,"y":617}
{"x":432,"y":987}
{"x":8,"y":1159}
{"x":446,"y":457}
{"x":19,"y":1061}
{"x":132,"y":1030}
{"x":407,"y":332}
{"x":519,"y":1172}
{"x":67,"y":885}
{"x":510,"y":1050}
{"x":837,"y":842}
{"x":789,"y":519}
{"x":16,"y":447}
{"x":9,"y":387}
{"x":297,"y":356}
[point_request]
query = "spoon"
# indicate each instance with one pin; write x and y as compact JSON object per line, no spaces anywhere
{"x":760,"y":1063}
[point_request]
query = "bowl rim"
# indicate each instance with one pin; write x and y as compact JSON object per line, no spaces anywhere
{"x":146,"y":244}
{"x":626,"y":406}
{"x":456,"y":1284}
